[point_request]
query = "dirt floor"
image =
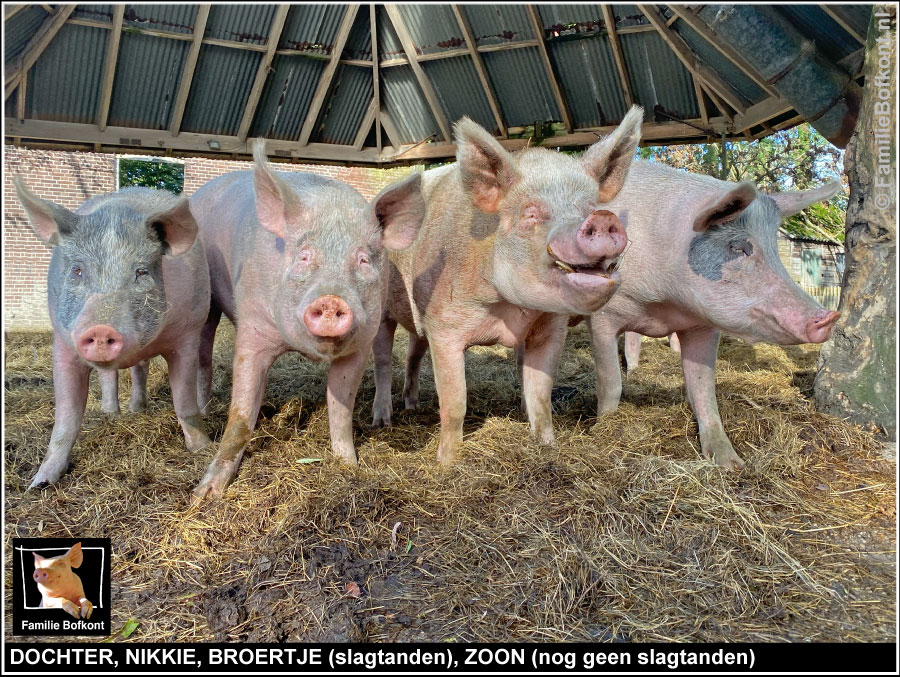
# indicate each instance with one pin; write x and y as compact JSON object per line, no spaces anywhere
{"x":620,"y":533}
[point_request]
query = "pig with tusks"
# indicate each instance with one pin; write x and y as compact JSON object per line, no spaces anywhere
{"x":703,"y":260}
{"x":127,"y":281}
{"x":511,"y":245}
{"x":298,"y":262}
{"x":61,"y":587}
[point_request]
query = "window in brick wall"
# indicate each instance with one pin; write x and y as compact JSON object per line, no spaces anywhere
{"x":152,"y":172}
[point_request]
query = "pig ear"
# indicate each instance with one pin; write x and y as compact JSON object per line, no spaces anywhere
{"x":276,"y":203}
{"x":487,"y":169}
{"x":791,"y":202}
{"x":75,"y":556}
{"x":400,"y":209}
{"x":609,"y":160}
{"x":38,"y":560}
{"x":48,"y":219}
{"x":726,"y":207}
{"x":176,"y":227}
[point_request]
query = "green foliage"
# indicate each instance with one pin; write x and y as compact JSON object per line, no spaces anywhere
{"x":795,"y":159}
{"x":152,"y":174}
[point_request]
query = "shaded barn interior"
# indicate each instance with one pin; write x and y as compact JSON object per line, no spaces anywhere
{"x":188,"y":79}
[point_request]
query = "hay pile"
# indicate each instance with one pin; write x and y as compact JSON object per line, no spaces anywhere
{"x":619,"y":533}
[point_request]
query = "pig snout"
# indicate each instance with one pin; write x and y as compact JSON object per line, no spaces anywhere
{"x":818,"y":329}
{"x":40,"y":576}
{"x":601,"y":236}
{"x":100,"y":343}
{"x":328,"y":316}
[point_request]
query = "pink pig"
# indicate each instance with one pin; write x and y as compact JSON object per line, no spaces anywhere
{"x":61,"y":587}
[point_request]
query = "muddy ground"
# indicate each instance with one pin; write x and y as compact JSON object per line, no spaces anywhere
{"x":619,"y":533}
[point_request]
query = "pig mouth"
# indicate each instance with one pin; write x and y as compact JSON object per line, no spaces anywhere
{"x":602,"y":267}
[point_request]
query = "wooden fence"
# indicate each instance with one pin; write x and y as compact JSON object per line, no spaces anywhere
{"x":827,"y":296}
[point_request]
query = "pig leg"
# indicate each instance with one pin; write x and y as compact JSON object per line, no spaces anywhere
{"x":698,"y":360}
{"x":86,"y":607}
{"x":183,"y":381}
{"x":343,"y":382}
{"x":605,"y":345}
{"x":449,"y":362}
{"x":520,"y":366}
{"x":673,"y":342}
{"x":204,"y":371}
{"x":541,"y":358}
{"x":418,"y":346}
{"x":382,"y":350}
{"x":139,"y":373}
{"x":251,"y":365}
{"x":109,"y":390}
{"x":632,"y":351}
{"x":71,"y":379}
{"x":71,"y":608}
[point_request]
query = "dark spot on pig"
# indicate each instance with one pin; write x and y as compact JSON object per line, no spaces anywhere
{"x":718,"y":245}
{"x":279,"y":244}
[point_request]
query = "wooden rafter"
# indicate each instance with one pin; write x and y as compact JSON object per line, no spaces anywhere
{"x":489,"y":94}
{"x":723,"y":107}
{"x":36,"y":47}
{"x":109,"y":66}
{"x":187,"y":73}
{"x":365,"y":126}
{"x":618,"y":54}
{"x":729,"y":52}
{"x":409,"y":48}
{"x":20,"y":98}
{"x":690,"y":60}
{"x":376,"y":80}
{"x":761,"y":112}
{"x":263,"y":71}
{"x":328,"y":74}
{"x":10,"y":11}
{"x":548,"y":67}
{"x":836,"y":12}
{"x":701,"y":101}
{"x":392,"y":134}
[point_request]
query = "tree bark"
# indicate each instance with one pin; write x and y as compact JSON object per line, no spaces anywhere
{"x":856,"y":378}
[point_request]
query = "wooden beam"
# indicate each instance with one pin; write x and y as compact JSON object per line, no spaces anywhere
{"x":691,"y":61}
{"x":723,"y":47}
{"x":701,"y":101}
{"x":263,"y":71}
{"x":366,"y":125}
{"x":535,"y":18}
{"x":376,"y":80}
{"x":10,"y":11}
{"x":454,"y":53}
{"x":187,"y":74}
{"x":327,"y":75}
{"x":392,"y":134}
{"x":36,"y":47}
{"x":109,"y":66}
{"x":618,"y":54}
{"x":760,"y":112}
{"x":836,"y":12}
{"x":489,"y":93}
{"x":409,"y":48}
{"x":20,"y":99}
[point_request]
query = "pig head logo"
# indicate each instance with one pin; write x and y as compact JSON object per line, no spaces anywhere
{"x":61,"y":587}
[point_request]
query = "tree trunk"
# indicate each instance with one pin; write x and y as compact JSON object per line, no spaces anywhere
{"x":857,"y":368}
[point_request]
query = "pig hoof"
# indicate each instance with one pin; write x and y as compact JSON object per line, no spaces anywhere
{"x":110,"y":410}
{"x":446,"y":457}
{"x":86,"y":608}
{"x":726,"y":458}
{"x":206,"y":491}
{"x":197,"y":442}
{"x":137,"y":407}
{"x":381,"y":419}
{"x":411,"y":405}
{"x":71,"y":608}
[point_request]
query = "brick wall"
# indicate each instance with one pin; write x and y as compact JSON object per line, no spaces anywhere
{"x":69,"y":178}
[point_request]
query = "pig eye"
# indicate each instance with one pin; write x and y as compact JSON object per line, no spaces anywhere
{"x":741,"y":248}
{"x":140,"y":272}
{"x":363,"y":260}
{"x":76,"y":271}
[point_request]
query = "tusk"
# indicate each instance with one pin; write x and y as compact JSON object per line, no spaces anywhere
{"x":565,"y":266}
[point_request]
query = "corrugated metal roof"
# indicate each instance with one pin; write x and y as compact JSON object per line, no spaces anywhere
{"x":657,"y":77}
{"x":240,"y":23}
{"x":20,"y":29}
{"x":521,"y":84}
{"x":388,"y":43}
{"x":459,"y":90}
{"x":64,"y":83}
{"x":628,"y":15}
{"x":222,"y":81}
{"x":99,"y":13}
{"x":312,"y":28}
{"x":286,"y":97}
{"x":345,"y":107}
{"x":168,"y":18}
{"x":433,"y":27}
{"x":714,"y":59}
{"x":405,"y":104}
{"x":590,"y":81}
{"x":498,"y":24}
{"x":830,"y":38}
{"x":148,"y":71}
{"x":359,"y":42}
{"x":571,"y":19}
